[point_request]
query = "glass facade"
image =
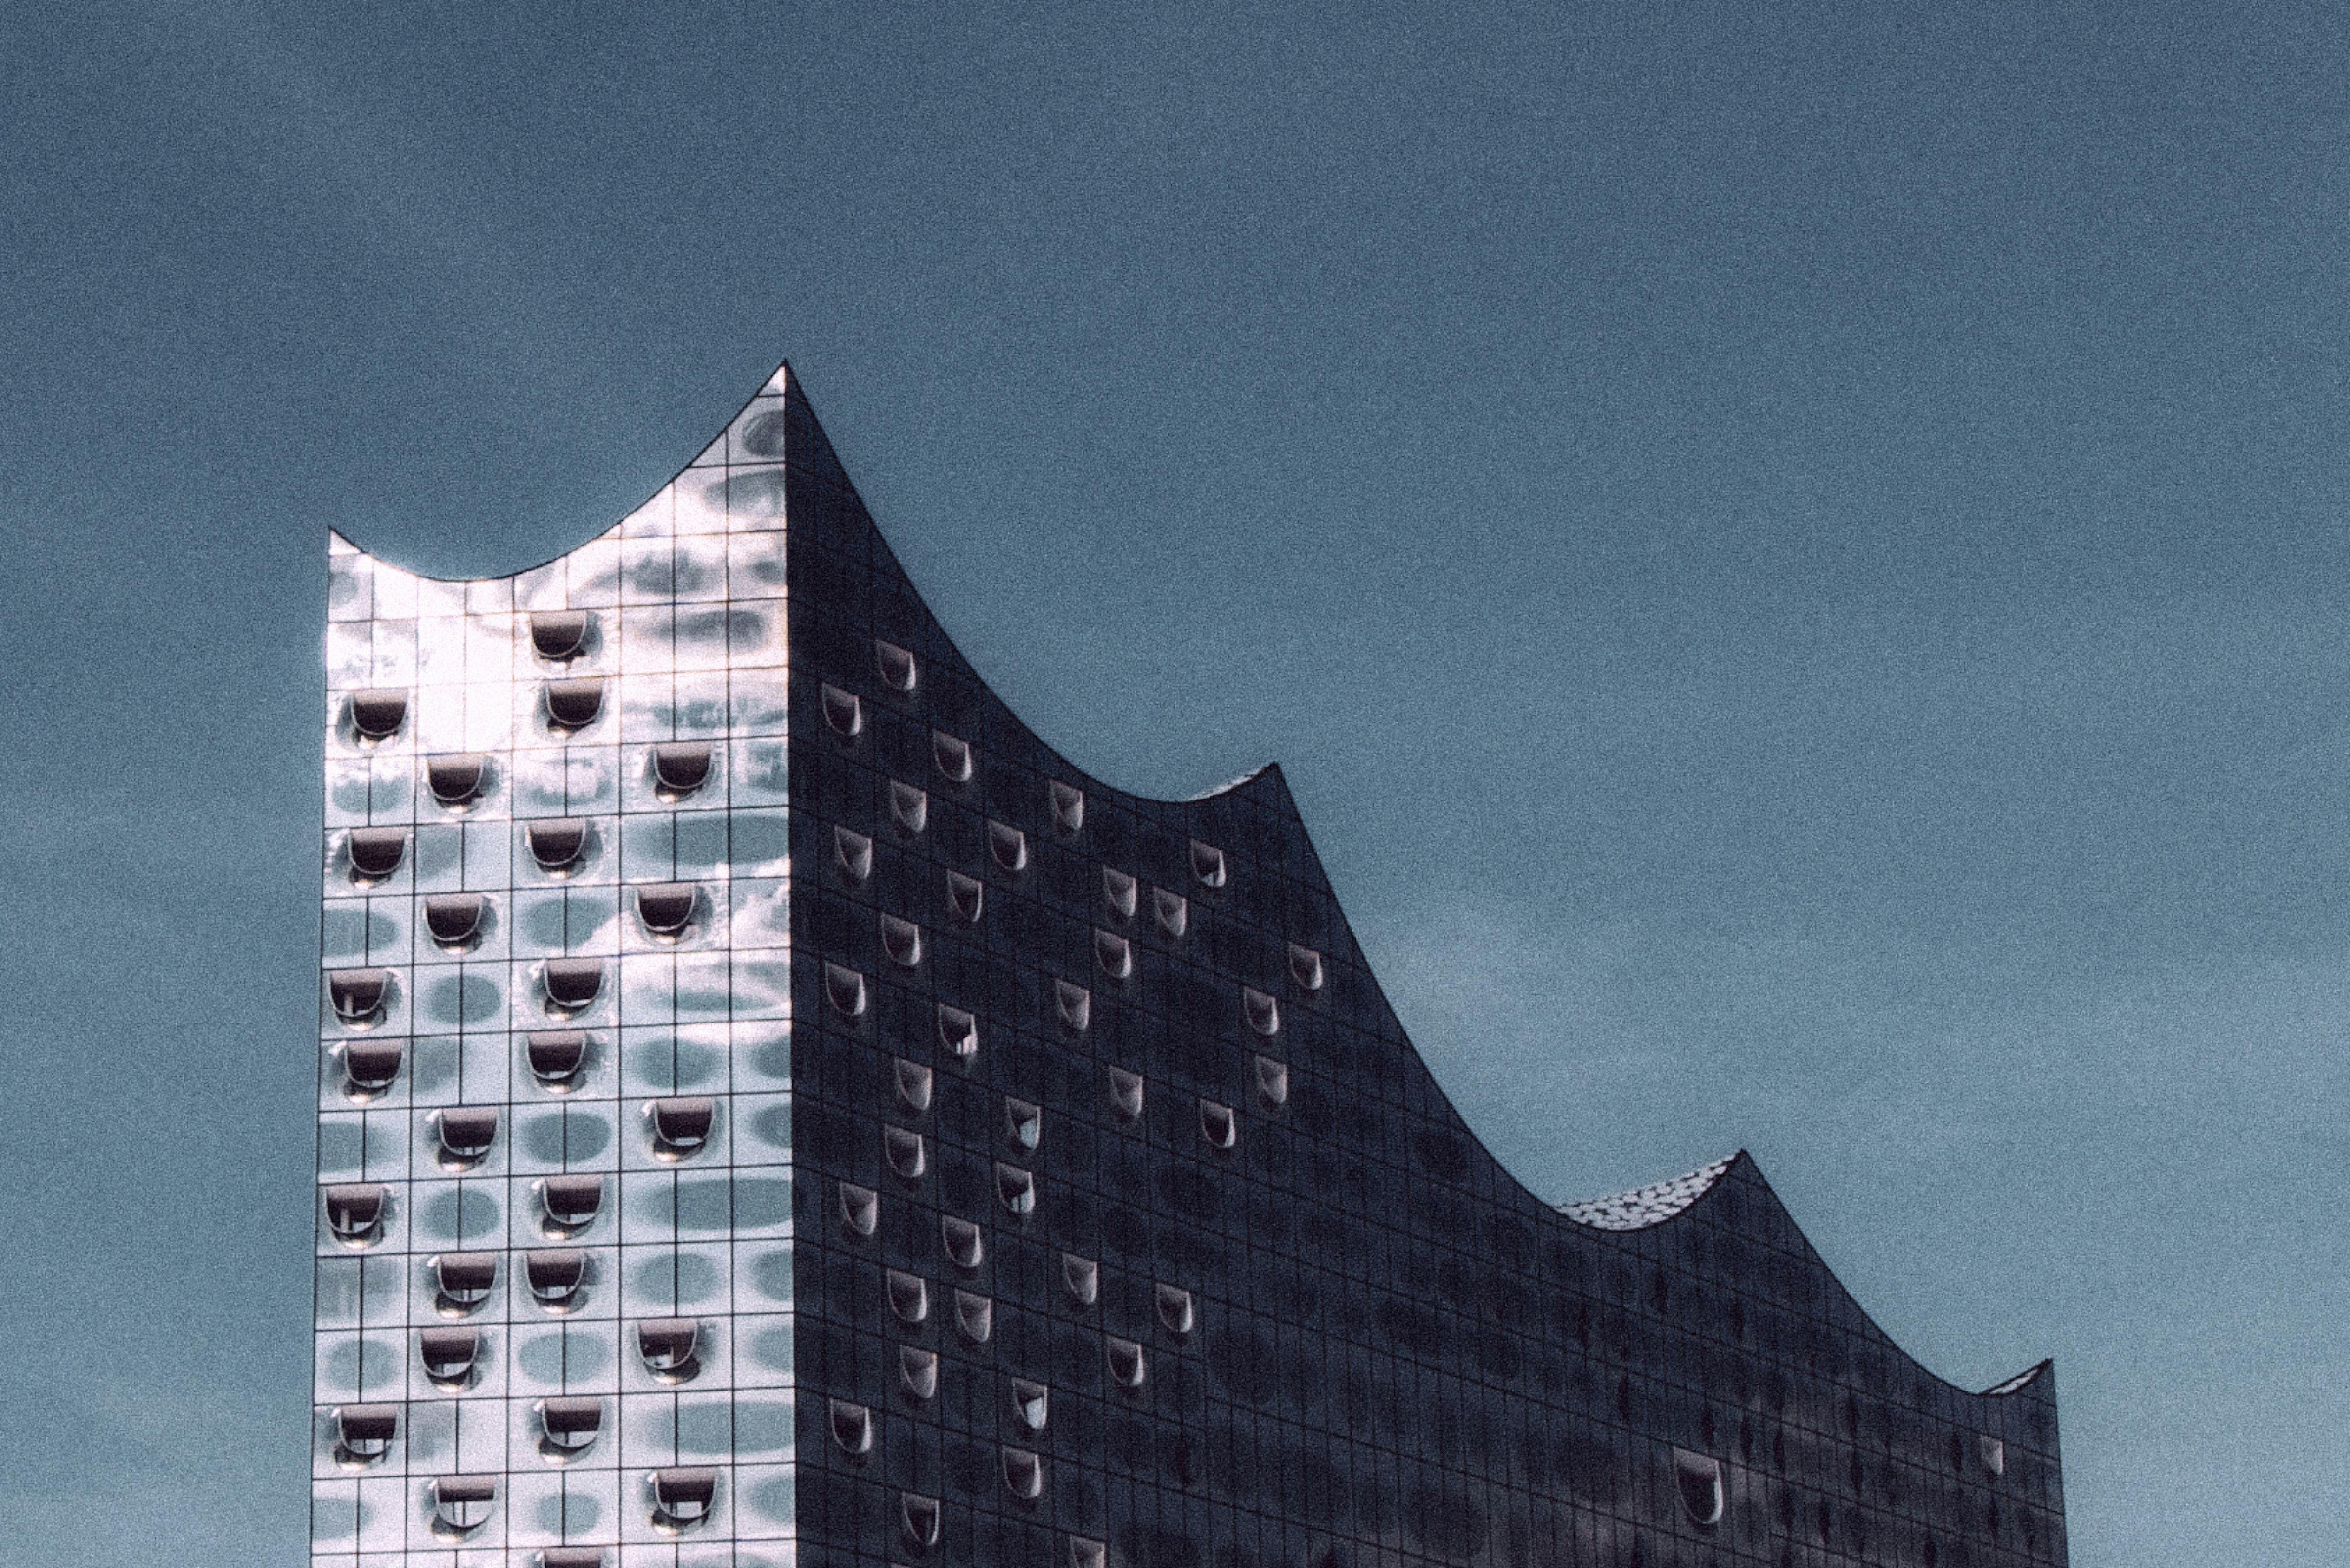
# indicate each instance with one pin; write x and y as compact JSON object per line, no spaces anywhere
{"x":1047,"y":1183}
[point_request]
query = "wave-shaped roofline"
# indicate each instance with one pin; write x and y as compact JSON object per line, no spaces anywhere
{"x":1674,"y":1200}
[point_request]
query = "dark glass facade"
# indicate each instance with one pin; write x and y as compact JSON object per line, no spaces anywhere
{"x":1127,"y":1230}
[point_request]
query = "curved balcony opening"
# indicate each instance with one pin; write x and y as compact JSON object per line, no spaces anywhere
{"x":462,"y":1281}
{"x":680,"y":770}
{"x":860,"y":1210}
{"x":909,"y":1297}
{"x":1016,"y":1189}
{"x":895,"y":665}
{"x":1068,"y":805}
{"x":1127,"y":1366}
{"x":951,"y":757}
{"x":913,"y":1082}
{"x":558,"y":635}
{"x":1024,"y":1124}
{"x":843,"y":711}
{"x":669,"y":1347}
{"x":376,"y":714}
{"x":558,"y":844}
{"x":571,"y":1202}
{"x":358,"y":995}
{"x":958,"y":1032}
{"x":371,"y":1066}
{"x":1023,"y":1474}
{"x":974,"y":1316}
{"x":918,"y":1373}
{"x":573,"y":705}
{"x":1219,"y":1129}
{"x":1305,"y":968}
{"x":450,"y":1357}
{"x":910,"y":808}
{"x":1271,"y":1082}
{"x":852,"y":855}
{"x":453,"y":921}
{"x":852,"y":1428}
{"x":466,"y":1134}
{"x":1208,"y":867}
{"x":1121,"y":894}
{"x":1007,"y":846}
{"x":682,"y":1497}
{"x":1175,"y":1310}
{"x":1081,"y":1278}
{"x":967,"y":897}
{"x":572,"y":985}
{"x":458,"y":779}
{"x":376,"y":852}
{"x":557,"y":1055}
{"x":557,"y":1276}
{"x":568,"y":1427}
{"x":463,"y":1504}
{"x":355,"y":1212}
{"x":1073,"y":1005}
{"x":901,"y":941}
{"x":918,"y":1519}
{"x":666,"y":910}
{"x":903,"y":1151}
{"x":364,"y":1434}
{"x":844,"y":989}
{"x":1113,"y":954}
{"x":681,"y":1127}
{"x":1126,"y":1095}
{"x":1031,"y":1404}
{"x":963,"y":1241}
{"x":1262,"y":1012}
{"x":1699,"y":1480}
{"x":1172,"y":912}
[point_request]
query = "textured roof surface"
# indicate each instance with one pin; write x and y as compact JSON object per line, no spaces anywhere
{"x":1645,"y":1206}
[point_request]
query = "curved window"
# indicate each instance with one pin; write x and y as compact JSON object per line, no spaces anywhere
{"x":682,"y":1126}
{"x":1074,"y":1005}
{"x":456,"y":779}
{"x":1084,"y":1552}
{"x":852,"y":1427}
{"x":461,"y":1504}
{"x":682,"y":1497}
{"x":464,"y":1280}
{"x":378,"y":714}
{"x":1113,"y":953}
{"x":376,"y":852}
{"x":917,"y":1372}
{"x":860,"y":1209}
{"x":355,"y":1211}
{"x":680,"y":770}
{"x":364,"y":1433}
{"x":555,"y":1275}
{"x":1008,"y":846}
{"x":853,"y":854}
{"x":967,"y":896}
{"x":1024,"y":1124}
{"x":895,"y":665}
{"x":1126,"y":1368}
{"x":1217,"y":1126}
{"x":1171,"y":911}
{"x":449,"y":1355}
{"x":909,"y":1297}
{"x":666,"y":909}
{"x":371,"y":1066}
{"x":1031,"y":1402}
{"x":466,"y":1132}
{"x":1994,"y":1455}
{"x":573,"y":705}
{"x":918,"y":1516}
{"x":1126,"y":1094}
{"x":952,"y":756}
{"x":358,"y":994}
{"x":1699,"y":1482}
{"x":1121,"y":892}
{"x":961,"y":1241}
{"x":974,"y":1316}
{"x":843,"y":711}
{"x":669,"y":1347}
{"x":1175,"y":1309}
{"x":910,"y":808}
{"x":453,"y":921}
{"x":1263,"y":1013}
{"x":1069,"y":807}
{"x":913,"y":1086}
{"x":1016,"y":1187}
{"x":559,"y":844}
{"x":1024,"y":1473}
{"x":1272,"y":1082}
{"x":844,"y":989}
{"x":557,"y":1055}
{"x":1304,"y":968}
{"x":572,"y":1202}
{"x":902,"y":940}
{"x":958,"y":1032}
{"x":572,"y":983}
{"x":568,"y":1428}
{"x":1081,"y":1277}
{"x":904,"y":1150}
{"x":558,"y":635}
{"x":1207,"y":865}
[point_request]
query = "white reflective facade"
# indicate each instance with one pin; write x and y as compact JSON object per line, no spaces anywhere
{"x":487,"y":1388}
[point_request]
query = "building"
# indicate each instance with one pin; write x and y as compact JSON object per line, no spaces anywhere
{"x":772,"y":1108}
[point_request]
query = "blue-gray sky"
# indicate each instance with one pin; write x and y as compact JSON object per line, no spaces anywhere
{"x":1793,"y":556}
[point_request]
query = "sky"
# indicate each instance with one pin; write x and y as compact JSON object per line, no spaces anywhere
{"x":1793,"y":557}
